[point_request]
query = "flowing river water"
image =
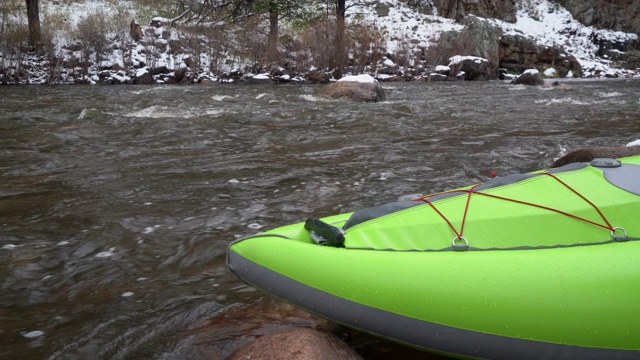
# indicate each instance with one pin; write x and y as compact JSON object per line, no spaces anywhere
{"x":117,"y":204}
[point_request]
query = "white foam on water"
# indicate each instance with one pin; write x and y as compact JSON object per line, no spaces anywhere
{"x":106,"y":254}
{"x":564,"y":101}
{"x":160,"y":112}
{"x":33,"y":334}
{"x":223,"y":98}
{"x":150,"y":229}
{"x":609,"y":94}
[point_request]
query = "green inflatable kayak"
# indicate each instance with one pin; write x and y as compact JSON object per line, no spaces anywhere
{"x":537,"y":265}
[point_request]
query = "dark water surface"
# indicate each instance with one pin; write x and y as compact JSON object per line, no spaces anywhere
{"x":117,"y":203}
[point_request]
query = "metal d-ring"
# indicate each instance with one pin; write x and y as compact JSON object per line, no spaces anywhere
{"x":618,"y":238}
{"x":459,"y":247}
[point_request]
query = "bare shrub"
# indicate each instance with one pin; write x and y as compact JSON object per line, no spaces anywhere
{"x":367,"y":45}
{"x":216,"y":40}
{"x":91,"y":33}
{"x":403,"y":56}
{"x":13,"y":52}
{"x":316,"y":43}
{"x":249,"y":41}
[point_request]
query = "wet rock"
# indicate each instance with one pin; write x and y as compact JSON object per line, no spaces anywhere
{"x":437,"y":77}
{"x":143,"y":77}
{"x":206,"y":81}
{"x":589,"y":153}
{"x":361,"y":88}
{"x":180,"y":73}
{"x":318,"y":77}
{"x":396,"y":78}
{"x":530,"y":77}
{"x":296,"y":343}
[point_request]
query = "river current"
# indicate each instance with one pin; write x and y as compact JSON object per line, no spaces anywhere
{"x":117,"y":203}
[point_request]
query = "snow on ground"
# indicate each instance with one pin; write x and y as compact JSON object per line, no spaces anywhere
{"x":543,"y":20}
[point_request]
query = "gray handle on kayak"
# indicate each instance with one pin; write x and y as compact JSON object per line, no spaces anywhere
{"x":334,"y":235}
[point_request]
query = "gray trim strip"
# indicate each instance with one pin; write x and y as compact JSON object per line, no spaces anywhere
{"x":413,"y":332}
{"x":626,"y":177}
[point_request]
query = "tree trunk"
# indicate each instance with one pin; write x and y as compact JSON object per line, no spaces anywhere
{"x":33,"y":17}
{"x":340,"y":48}
{"x":272,"y":47}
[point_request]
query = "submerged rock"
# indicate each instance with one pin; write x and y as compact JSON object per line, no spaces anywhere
{"x":589,"y":153}
{"x":296,"y":343}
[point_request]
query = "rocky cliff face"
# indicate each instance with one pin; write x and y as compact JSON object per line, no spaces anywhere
{"x":518,"y":53}
{"x":620,"y":15}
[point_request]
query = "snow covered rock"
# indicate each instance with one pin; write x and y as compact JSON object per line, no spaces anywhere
{"x":143,"y":77}
{"x":474,"y":68}
{"x":361,"y":88}
{"x":442,"y":69}
{"x":529,"y":77}
{"x":260,"y":79}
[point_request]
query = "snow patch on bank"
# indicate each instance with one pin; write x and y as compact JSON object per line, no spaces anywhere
{"x":403,"y":27}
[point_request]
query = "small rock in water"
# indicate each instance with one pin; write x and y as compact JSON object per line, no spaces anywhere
{"x":127,"y":294}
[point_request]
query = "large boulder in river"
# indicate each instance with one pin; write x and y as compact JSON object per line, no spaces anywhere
{"x":589,"y":153}
{"x":296,"y":343}
{"x":530,"y":77}
{"x":474,"y":68}
{"x":362,"y":88}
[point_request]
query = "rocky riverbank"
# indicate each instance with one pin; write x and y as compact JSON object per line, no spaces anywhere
{"x":418,"y":44}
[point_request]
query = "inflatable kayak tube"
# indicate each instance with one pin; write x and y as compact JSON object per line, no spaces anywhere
{"x":526,"y":266}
